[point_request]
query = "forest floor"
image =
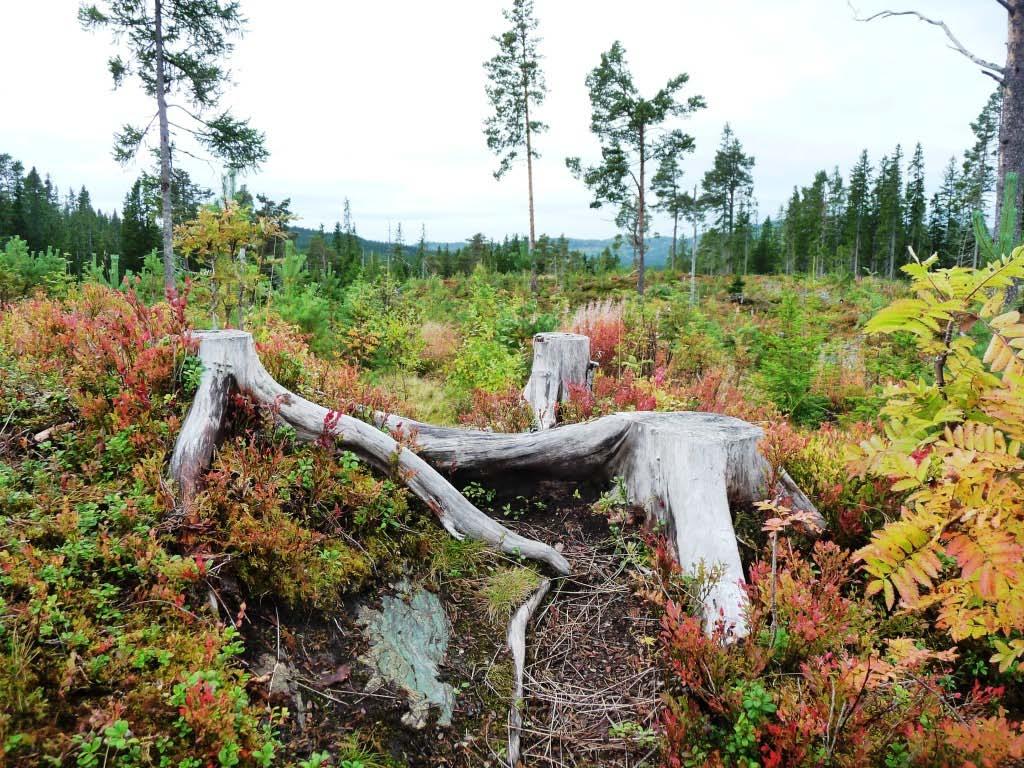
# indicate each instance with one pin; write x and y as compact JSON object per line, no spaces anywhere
{"x":591,"y":685}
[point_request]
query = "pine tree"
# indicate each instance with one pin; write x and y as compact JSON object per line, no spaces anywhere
{"x":624,"y":123}
{"x":177,"y":46}
{"x":515,"y":86}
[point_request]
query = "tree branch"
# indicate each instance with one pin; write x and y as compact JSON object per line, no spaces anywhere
{"x":1009,"y":8}
{"x":987,"y":67}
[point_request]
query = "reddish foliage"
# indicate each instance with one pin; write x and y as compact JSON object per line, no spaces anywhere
{"x":505,"y":411}
{"x":604,"y":322}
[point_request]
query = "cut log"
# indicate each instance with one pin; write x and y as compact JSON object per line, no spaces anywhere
{"x":559,"y":359}
{"x":229,"y":360}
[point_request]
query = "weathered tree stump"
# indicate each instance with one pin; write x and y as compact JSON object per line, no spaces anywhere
{"x":684,"y":469}
{"x":230,"y":361}
{"x":559,"y":359}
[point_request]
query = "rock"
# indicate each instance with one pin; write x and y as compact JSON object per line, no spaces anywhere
{"x":408,"y":642}
{"x":279,"y":675}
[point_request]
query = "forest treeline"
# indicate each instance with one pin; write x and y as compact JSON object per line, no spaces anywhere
{"x":860,"y":223}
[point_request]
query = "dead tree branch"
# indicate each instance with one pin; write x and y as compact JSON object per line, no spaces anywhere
{"x":987,"y":67}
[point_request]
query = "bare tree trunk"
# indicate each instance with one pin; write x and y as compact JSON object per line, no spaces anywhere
{"x":529,"y":183}
{"x":1011,"y":124}
{"x":856,"y":250}
{"x":892,"y":253}
{"x":165,"y":151}
{"x":675,"y":239}
{"x":639,"y":239}
{"x":693,"y":254}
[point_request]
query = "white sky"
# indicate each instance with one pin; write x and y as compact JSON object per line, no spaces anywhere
{"x":383,"y":101}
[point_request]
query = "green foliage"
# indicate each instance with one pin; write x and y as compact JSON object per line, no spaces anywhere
{"x":382,"y":326}
{"x":506,"y":589}
{"x":954,"y":445}
{"x":515,"y":85}
{"x":789,"y":363}
{"x":22,"y":272}
{"x":626,"y":125}
{"x":299,"y":301}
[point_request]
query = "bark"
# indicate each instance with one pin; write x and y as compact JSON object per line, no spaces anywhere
{"x":639,"y":239}
{"x":693,"y":256}
{"x":529,"y":182}
{"x":166,"y":212}
{"x":675,"y":238}
{"x":684,"y":469}
{"x":1011,"y":124}
{"x":559,"y":359}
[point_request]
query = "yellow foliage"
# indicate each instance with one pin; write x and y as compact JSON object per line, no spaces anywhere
{"x":226,"y":240}
{"x":954,"y":446}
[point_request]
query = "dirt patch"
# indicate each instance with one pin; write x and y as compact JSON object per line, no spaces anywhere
{"x":591,"y":682}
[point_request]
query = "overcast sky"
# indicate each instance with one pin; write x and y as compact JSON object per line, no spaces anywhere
{"x":383,"y":102}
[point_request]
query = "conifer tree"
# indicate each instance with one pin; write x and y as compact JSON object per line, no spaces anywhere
{"x":728,"y":182}
{"x":981,"y":161}
{"x":672,"y":198}
{"x":177,"y":47}
{"x":516,"y":86}
{"x":625,"y":124}
{"x":889,"y":234}
{"x":915,"y":206}
{"x":858,"y":210}
{"x":139,"y":233}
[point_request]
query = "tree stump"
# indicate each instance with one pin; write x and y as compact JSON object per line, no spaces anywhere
{"x":559,"y":359}
{"x":230,"y":362}
{"x":684,"y":469}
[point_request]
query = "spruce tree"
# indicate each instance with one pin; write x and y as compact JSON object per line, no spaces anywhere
{"x":858,"y":211}
{"x":727,"y":183}
{"x":672,"y":198}
{"x":139,"y":233}
{"x":980,"y":162}
{"x":915,"y":206}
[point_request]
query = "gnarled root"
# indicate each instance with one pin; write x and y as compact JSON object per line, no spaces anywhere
{"x":229,"y":360}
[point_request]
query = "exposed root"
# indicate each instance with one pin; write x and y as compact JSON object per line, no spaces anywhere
{"x":517,"y":644}
{"x":230,"y":360}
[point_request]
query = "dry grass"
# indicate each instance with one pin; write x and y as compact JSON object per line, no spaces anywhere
{"x":441,"y":342}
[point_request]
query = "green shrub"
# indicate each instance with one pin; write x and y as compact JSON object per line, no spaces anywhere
{"x":22,"y":271}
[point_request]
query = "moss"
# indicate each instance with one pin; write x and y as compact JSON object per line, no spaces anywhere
{"x":506,"y":589}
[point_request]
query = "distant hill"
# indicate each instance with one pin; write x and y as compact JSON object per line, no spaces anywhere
{"x":657,"y":247}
